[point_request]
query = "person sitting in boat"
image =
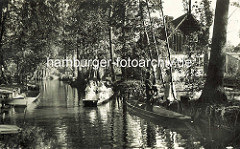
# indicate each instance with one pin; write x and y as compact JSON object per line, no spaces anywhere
{"x":101,"y":90}
{"x":91,"y":91}
{"x":104,"y":92}
{"x":170,"y":91}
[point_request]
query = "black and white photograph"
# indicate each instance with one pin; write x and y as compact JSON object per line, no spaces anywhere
{"x":106,"y":74}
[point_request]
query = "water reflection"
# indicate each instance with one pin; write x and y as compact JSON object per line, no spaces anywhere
{"x":59,"y":120}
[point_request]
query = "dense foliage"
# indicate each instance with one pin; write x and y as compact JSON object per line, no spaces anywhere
{"x":32,"y":30}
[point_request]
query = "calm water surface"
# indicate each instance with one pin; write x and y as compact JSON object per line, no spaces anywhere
{"x":59,"y":120}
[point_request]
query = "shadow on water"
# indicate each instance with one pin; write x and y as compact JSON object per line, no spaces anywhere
{"x":59,"y":120}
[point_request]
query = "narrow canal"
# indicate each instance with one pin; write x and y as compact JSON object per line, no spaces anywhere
{"x":59,"y":120}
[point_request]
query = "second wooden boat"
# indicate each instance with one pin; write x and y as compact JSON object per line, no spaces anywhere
{"x":30,"y":97}
{"x":156,"y":112}
{"x":9,"y":129}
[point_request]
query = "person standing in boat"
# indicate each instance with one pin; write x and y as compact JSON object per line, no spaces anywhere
{"x":169,"y":92}
{"x":149,"y":91}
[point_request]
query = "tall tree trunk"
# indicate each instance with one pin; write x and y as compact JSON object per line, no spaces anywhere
{"x":168,"y":49}
{"x":79,"y":75}
{"x":206,"y":32}
{"x":81,"y":71}
{"x":155,"y":44}
{"x":213,"y":90}
{"x":146,"y":37}
{"x":73,"y":67}
{"x":110,"y":47}
{"x":1,"y":36}
{"x":123,"y":69}
{"x":3,"y":4}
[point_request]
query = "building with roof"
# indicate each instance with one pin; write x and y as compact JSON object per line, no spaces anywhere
{"x":182,"y":32}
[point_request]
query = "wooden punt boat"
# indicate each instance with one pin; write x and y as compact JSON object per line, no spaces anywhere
{"x":97,"y":95}
{"x":30,"y":97}
{"x":157,"y":112}
{"x":7,"y":94}
{"x":9,"y":129}
{"x":94,"y":102}
{"x":10,"y":95}
{"x":103,"y":101}
{"x":90,"y":102}
{"x":104,"y":95}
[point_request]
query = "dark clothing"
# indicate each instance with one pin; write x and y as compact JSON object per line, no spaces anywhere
{"x":148,"y":85}
{"x":149,"y":94}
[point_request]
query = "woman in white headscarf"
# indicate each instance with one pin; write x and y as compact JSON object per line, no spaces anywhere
{"x":90,"y":91}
